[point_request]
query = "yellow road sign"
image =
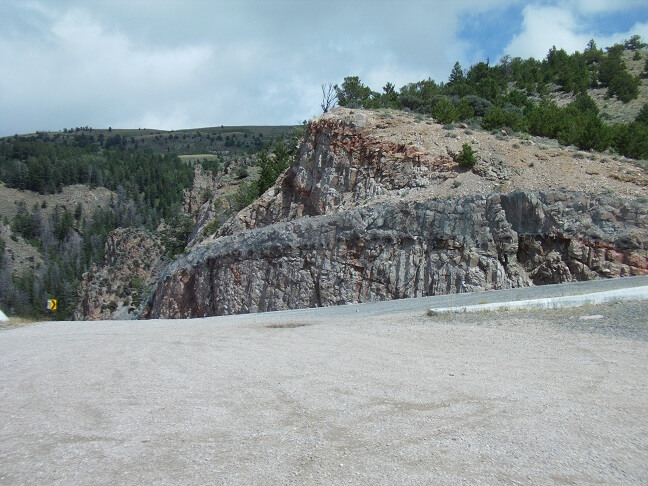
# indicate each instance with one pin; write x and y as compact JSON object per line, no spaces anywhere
{"x":52,"y":304}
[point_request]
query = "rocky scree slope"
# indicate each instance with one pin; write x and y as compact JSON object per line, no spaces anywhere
{"x":375,"y":207}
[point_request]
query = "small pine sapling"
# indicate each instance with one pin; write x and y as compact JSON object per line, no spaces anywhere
{"x":466,"y":157}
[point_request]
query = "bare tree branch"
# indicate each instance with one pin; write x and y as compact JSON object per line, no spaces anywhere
{"x":329,"y":97}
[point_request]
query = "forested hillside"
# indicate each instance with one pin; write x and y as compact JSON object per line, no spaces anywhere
{"x":595,"y":99}
{"x":226,"y":140}
{"x":65,"y":192}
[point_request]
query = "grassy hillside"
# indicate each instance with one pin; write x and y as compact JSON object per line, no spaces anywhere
{"x":613,"y":110}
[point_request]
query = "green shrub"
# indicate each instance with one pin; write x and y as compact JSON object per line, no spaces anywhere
{"x":24,"y":223}
{"x":242,"y":172}
{"x":273,"y":164}
{"x":642,"y":116}
{"x":624,"y":86}
{"x":498,"y":118}
{"x":479,"y":105}
{"x":631,"y":140}
{"x":466,"y":157}
{"x":211,"y":227}
{"x":353,"y":94}
{"x":464,"y":110}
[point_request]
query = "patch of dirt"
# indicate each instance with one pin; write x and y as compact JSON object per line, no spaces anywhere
{"x":287,"y":325}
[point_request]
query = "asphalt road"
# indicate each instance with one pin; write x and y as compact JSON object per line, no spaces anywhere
{"x":473,"y":298}
{"x":360,"y":394}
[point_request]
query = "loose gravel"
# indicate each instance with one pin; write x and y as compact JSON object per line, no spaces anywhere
{"x":313,"y":398}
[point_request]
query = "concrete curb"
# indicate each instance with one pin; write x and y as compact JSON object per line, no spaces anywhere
{"x":619,"y":295}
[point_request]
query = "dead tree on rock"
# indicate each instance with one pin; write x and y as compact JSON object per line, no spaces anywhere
{"x":329,"y":97}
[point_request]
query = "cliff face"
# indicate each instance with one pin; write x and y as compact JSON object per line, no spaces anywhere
{"x":341,"y":163}
{"x":376,"y":208}
{"x":391,"y":251}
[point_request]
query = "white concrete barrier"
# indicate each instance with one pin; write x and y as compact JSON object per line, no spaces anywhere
{"x":3,"y":316}
{"x":619,"y":295}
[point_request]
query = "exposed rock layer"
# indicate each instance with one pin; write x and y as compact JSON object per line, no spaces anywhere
{"x":340,"y":164}
{"x":395,"y":250}
{"x":350,"y":158}
{"x":375,"y":207}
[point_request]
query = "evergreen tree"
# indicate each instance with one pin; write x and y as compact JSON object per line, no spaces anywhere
{"x":624,"y":86}
{"x":457,"y":74}
{"x":444,"y":111}
{"x":466,"y":157}
{"x":353,"y":93}
{"x":642,"y":116}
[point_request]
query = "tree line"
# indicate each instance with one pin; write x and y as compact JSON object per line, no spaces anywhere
{"x":514,"y":94}
{"x":155,"y":181}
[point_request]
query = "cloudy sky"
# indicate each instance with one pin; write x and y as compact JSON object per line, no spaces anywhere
{"x":173,"y":64}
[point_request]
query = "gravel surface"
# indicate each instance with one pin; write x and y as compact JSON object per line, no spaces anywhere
{"x":555,"y":396}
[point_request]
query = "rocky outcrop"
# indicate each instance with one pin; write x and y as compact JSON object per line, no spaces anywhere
{"x":341,"y":164}
{"x":132,"y":263}
{"x":134,"y":259}
{"x":396,"y":250}
{"x":375,"y":207}
{"x":197,"y":202}
{"x":203,"y":187}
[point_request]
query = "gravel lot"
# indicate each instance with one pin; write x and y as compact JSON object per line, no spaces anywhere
{"x":318,"y":398}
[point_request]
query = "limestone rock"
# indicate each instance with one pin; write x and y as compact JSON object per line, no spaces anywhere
{"x":338,"y":166}
{"x":396,"y":250}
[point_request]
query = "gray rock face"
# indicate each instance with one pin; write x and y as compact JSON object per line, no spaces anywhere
{"x":340,"y":165}
{"x":340,"y":225}
{"x":396,"y":250}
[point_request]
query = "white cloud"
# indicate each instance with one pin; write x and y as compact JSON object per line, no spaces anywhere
{"x":165,"y":118}
{"x":545,"y":26}
{"x":185,"y":63}
{"x":606,"y":6}
{"x":83,"y":74}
